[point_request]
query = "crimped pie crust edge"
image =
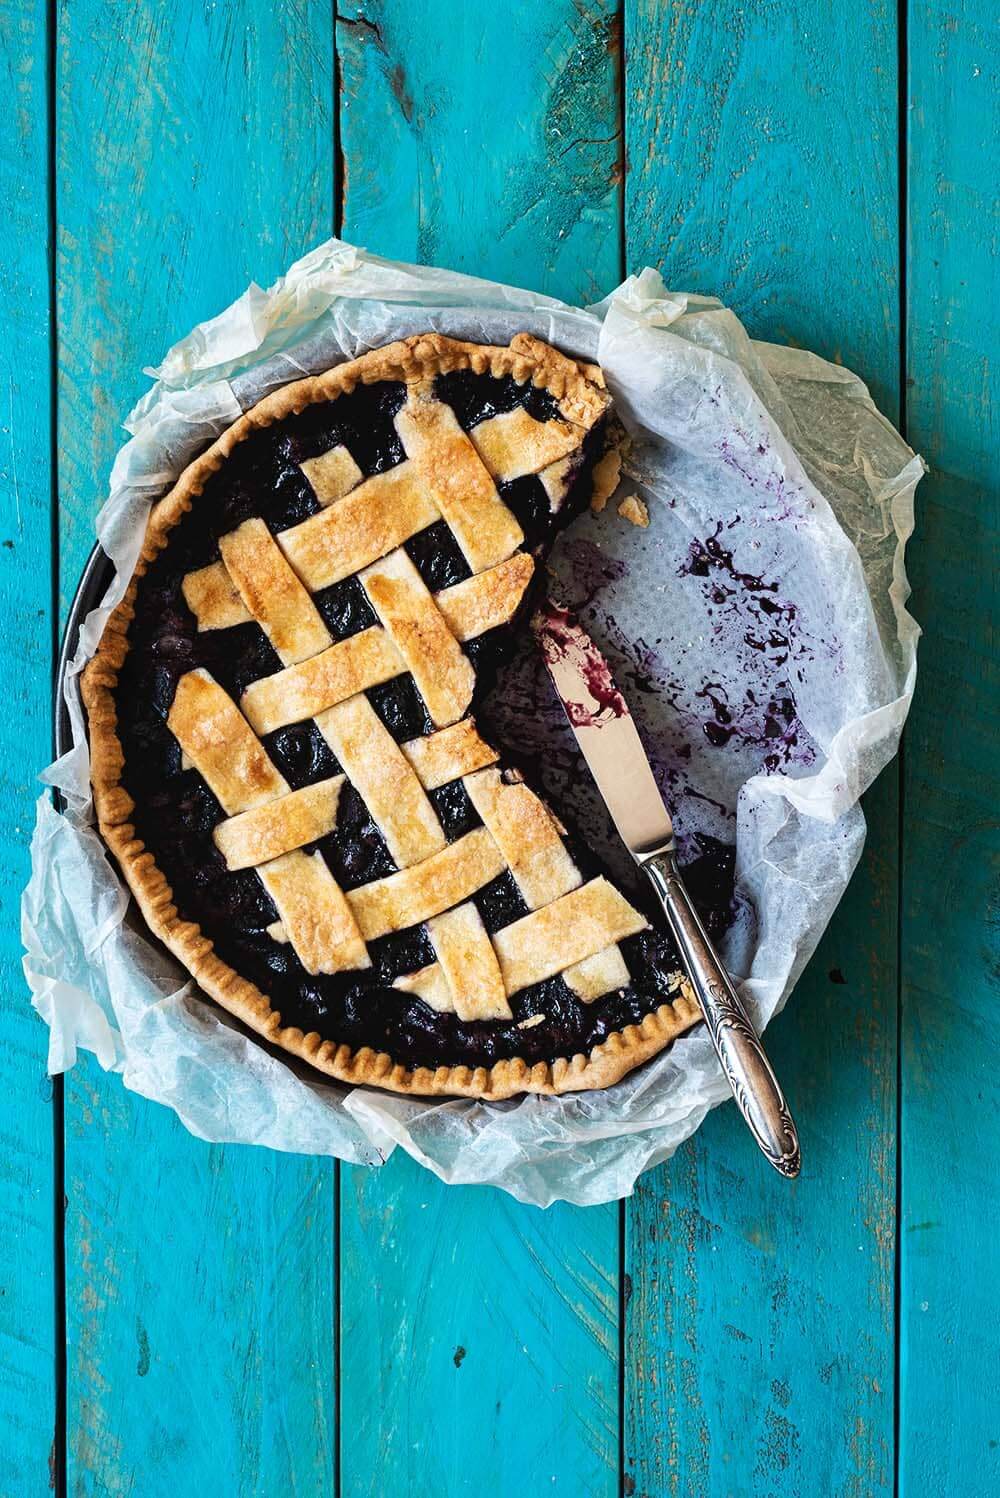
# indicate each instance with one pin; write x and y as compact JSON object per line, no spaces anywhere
{"x":577,"y":389}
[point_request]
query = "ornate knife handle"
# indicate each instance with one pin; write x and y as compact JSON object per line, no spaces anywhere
{"x":748,"y":1071}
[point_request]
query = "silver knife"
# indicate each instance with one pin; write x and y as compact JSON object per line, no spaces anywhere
{"x":600,"y":719}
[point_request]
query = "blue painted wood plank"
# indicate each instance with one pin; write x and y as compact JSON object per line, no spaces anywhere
{"x":194,"y":153}
{"x":950,"y":1134}
{"x":761,"y":166}
{"x":27,"y":1349}
{"x":485,"y":138}
{"x":479,"y":1337}
{"x":479,"y":1340}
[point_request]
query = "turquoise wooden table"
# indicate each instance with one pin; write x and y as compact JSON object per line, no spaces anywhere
{"x":181,"y":1319}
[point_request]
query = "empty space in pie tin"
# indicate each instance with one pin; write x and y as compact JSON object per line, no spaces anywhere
{"x":759,"y":636}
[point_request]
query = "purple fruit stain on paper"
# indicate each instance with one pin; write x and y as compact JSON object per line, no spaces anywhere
{"x":749,"y":611}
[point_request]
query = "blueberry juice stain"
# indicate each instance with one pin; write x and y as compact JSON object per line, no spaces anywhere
{"x":750,"y":607}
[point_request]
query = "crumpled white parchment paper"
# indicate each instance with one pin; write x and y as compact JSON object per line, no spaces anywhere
{"x":759,"y":629}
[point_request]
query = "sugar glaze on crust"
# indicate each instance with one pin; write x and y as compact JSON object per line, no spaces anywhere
{"x":579,"y":392}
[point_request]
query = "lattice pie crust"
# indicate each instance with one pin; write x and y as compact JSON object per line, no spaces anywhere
{"x":573,"y":926}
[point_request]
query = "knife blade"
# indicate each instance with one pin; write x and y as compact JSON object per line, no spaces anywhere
{"x":605,"y":730}
{"x":600,"y":719}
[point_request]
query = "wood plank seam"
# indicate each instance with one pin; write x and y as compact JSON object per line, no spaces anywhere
{"x":902,"y":149}
{"x":29,"y":1199}
{"x":58,"y":1475}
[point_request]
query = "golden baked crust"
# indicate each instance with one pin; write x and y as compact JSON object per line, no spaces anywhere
{"x":314,"y":905}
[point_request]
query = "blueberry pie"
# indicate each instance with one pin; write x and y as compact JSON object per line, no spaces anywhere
{"x":286,"y":757}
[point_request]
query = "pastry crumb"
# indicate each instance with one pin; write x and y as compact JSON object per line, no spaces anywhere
{"x":531,"y":1022}
{"x":606,"y":478}
{"x":633,"y":509}
{"x":680,"y":983}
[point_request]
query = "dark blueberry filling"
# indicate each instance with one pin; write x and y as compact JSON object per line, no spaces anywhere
{"x":355,"y":849}
{"x":176,"y":812}
{"x":437,"y":556}
{"x":530,"y":503}
{"x":345,"y":608}
{"x":710,"y":876}
{"x":400,"y":952}
{"x":456,"y":812}
{"x":401,"y":708}
{"x":236,"y":657}
{"x":489,"y":652}
{"x":475,"y":398}
{"x":500,"y":902}
{"x":362,"y":422}
{"x":302,"y":754}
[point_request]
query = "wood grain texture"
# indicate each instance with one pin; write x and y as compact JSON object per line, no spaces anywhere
{"x":762,"y":161}
{"x":479,"y":1337}
{"x":761,"y":166}
{"x":950,"y":1137}
{"x":479,"y":1340}
{"x":485,"y":138}
{"x":27,"y":1299}
{"x":194,"y":153}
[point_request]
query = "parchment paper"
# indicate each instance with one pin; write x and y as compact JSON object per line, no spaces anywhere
{"x":758,"y":627}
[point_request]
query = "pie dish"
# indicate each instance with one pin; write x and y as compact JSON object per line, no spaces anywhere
{"x":285,"y":754}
